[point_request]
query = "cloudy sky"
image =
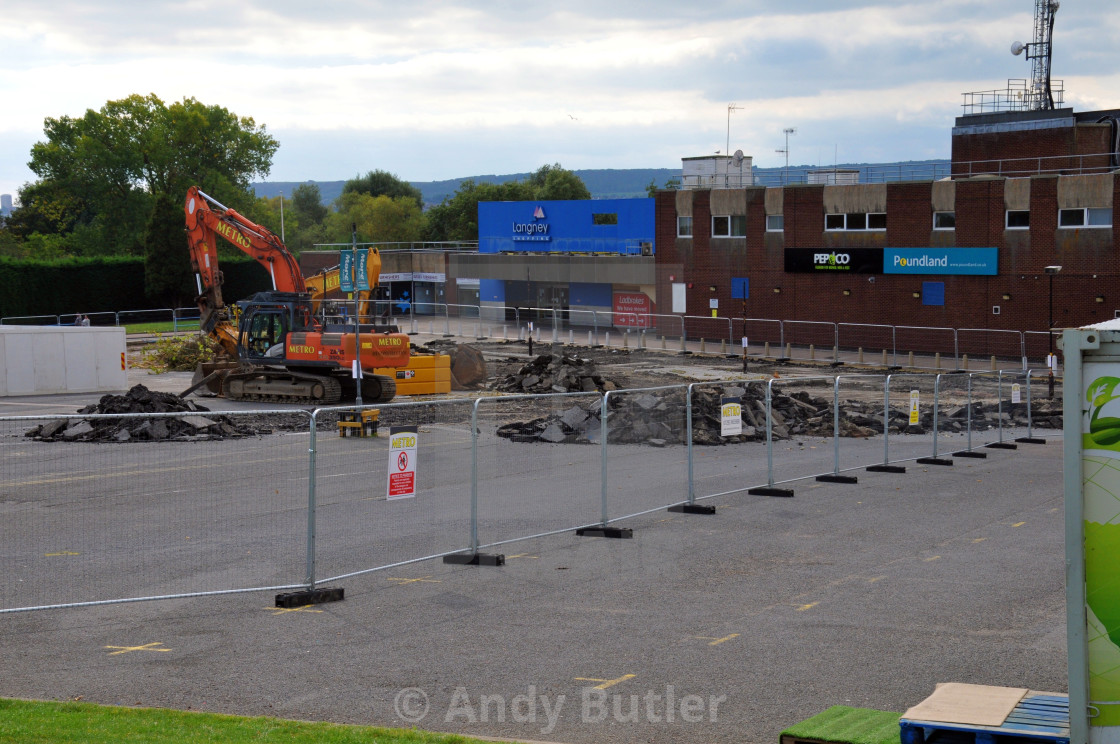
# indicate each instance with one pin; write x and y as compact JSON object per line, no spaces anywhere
{"x":433,"y":90}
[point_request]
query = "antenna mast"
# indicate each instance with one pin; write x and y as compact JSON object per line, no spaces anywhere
{"x":1039,"y":54}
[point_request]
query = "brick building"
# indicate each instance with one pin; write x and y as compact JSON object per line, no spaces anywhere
{"x":1029,"y":190}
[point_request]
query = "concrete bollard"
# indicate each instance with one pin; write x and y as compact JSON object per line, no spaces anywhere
{"x":812,"y":353}
{"x":789,"y":351}
{"x":663,"y":343}
{"x":701,"y":346}
{"x":910,"y":360}
{"x":859,"y":355}
{"x":993,"y":362}
{"x":964,"y":362}
{"x":884,"y":357}
{"x":505,"y":332}
{"x":589,"y":339}
{"x":429,"y":326}
{"x":937,"y":360}
{"x":626,"y":340}
{"x":571,"y":337}
{"x":520,"y":333}
{"x":538,"y":335}
{"x":722,"y":347}
{"x":766,"y":350}
{"x":684,"y":347}
{"x":607,"y":338}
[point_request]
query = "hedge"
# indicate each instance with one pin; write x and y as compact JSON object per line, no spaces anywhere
{"x":105,"y":284}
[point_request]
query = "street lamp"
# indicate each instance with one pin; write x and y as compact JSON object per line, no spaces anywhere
{"x":1050,"y":272}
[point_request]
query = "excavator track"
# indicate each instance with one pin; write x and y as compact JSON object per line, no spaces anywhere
{"x":282,"y":386}
{"x":375,"y":389}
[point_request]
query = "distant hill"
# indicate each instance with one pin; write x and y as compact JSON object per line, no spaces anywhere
{"x":622,"y":183}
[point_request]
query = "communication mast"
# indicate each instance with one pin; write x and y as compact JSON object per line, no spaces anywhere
{"x":1039,"y":53}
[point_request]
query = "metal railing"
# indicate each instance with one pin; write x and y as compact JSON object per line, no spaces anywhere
{"x":143,"y":516}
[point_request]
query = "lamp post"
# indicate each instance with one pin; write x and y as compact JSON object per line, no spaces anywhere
{"x":1050,"y":362}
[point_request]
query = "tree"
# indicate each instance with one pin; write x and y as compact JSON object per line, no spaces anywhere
{"x":167,"y":266}
{"x":379,"y":219}
{"x":100,"y":175}
{"x":307,"y":202}
{"x":382,"y":183}
{"x":553,"y":182}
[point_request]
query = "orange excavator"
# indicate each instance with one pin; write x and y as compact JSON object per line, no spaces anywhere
{"x":283,"y":352}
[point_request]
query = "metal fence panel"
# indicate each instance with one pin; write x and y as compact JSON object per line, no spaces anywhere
{"x":92,"y":521}
{"x":801,"y":410}
{"x":906,"y":441}
{"x":538,"y":465}
{"x":803,"y":334}
{"x":358,"y":528}
{"x":727,"y":464}
{"x":646,"y":453}
{"x":860,"y":443}
{"x":982,"y":343}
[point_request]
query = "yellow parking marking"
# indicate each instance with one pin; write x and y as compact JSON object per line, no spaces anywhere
{"x":606,"y":682}
{"x":932,"y":558}
{"x":873,"y":579}
{"x":421,"y":580}
{"x":979,"y":539}
{"x":1018,"y":524}
{"x":716,"y":641}
{"x":809,"y":606}
{"x":522,"y":555}
{"x":284,"y":610}
{"x":145,"y":647}
{"x":64,"y":552}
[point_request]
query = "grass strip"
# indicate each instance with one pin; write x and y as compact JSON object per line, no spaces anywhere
{"x":845,"y":725}
{"x":35,"y":722}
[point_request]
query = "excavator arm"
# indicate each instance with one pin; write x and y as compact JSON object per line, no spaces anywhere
{"x":326,"y":281}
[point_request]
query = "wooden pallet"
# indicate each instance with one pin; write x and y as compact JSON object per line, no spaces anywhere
{"x":1038,"y":717}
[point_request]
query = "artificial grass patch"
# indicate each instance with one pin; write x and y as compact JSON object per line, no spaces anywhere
{"x":845,"y":725}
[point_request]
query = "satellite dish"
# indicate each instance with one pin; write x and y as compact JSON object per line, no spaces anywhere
{"x":1017,"y":48}
{"x":738,"y":157}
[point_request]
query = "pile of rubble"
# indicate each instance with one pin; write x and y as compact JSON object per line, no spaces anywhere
{"x":192,"y":424}
{"x":657,"y":418}
{"x":553,"y":373}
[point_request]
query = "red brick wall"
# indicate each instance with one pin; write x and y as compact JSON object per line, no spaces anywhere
{"x":1029,"y":152}
{"x":1091,"y":265}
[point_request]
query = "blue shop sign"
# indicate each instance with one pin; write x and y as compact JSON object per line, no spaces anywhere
{"x":946,"y":261}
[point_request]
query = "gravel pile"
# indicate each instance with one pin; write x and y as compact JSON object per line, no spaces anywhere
{"x":553,"y":373}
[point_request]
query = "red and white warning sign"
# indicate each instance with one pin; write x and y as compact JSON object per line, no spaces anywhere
{"x":402,"y":462}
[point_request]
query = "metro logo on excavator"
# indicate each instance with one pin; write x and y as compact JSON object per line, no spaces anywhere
{"x":280,"y":351}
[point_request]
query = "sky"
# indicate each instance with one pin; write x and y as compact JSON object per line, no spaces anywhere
{"x":433,"y":90}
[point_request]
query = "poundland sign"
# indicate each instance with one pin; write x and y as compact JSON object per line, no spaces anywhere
{"x":943,"y":261}
{"x":946,"y":261}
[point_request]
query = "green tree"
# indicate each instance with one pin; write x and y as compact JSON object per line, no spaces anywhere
{"x":553,"y":182}
{"x":101,"y":174}
{"x":382,"y":183}
{"x":379,"y":219}
{"x":307,"y":202}
{"x":167,"y":267}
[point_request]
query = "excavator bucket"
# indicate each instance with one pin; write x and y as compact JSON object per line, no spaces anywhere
{"x":208,"y":378}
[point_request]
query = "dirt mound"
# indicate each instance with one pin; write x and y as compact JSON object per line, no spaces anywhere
{"x":195,"y":423}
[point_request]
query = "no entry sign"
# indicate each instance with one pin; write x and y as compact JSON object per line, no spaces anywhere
{"x":402,"y":462}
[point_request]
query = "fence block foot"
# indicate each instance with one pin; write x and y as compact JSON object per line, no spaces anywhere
{"x":692,"y":509}
{"x":613,"y":532}
{"x":833,"y":478}
{"x":886,"y":468}
{"x":970,"y":453}
{"x":1002,"y":445}
{"x":475,"y":559}
{"x":306,"y":597}
{"x":1031,"y":440}
{"x":933,"y":461}
{"x":771,"y":491}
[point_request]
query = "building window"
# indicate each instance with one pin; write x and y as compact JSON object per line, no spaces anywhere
{"x":684,"y":227}
{"x":856,"y":221}
{"x":605,"y":218}
{"x":1082,"y":217}
{"x":1018,"y":219}
{"x":944,"y":220}
{"x":775,"y":223}
{"x":733,"y":226}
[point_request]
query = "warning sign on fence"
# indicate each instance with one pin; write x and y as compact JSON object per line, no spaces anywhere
{"x":1016,"y":393}
{"x":402,"y":462}
{"x":914,"y":407}
{"x":732,"y":417}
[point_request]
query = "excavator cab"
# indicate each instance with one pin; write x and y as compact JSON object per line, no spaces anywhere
{"x":266,"y":320}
